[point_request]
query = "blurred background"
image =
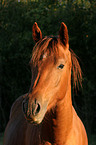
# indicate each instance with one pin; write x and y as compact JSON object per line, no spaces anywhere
{"x":16,"y":44}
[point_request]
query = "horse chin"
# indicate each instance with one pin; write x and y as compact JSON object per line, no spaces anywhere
{"x":34,"y":122}
{"x":36,"y":119}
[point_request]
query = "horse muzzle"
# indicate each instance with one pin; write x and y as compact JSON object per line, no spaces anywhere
{"x":34,"y":110}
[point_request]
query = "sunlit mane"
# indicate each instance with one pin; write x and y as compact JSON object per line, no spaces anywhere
{"x":76,"y":71}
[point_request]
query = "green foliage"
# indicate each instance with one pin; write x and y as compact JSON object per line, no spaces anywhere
{"x":16,"y":20}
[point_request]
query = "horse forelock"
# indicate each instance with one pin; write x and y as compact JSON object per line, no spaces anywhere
{"x":47,"y":45}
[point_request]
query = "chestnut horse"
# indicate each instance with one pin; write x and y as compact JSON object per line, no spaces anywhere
{"x":45,"y":115}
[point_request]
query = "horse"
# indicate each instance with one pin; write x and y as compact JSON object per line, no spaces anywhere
{"x":45,"y":115}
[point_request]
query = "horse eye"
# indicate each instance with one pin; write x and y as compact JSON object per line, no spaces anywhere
{"x":60,"y":66}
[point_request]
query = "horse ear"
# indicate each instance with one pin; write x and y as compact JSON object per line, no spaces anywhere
{"x":63,"y":34}
{"x":36,"y":32}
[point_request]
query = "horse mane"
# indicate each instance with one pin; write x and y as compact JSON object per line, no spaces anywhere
{"x":50,"y":45}
{"x":76,"y":71}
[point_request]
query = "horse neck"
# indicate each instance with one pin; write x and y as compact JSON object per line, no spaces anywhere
{"x":63,"y":119}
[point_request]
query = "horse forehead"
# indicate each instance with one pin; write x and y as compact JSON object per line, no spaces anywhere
{"x":63,"y":52}
{"x":44,"y":55}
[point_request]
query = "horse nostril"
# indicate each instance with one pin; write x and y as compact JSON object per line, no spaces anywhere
{"x":35,"y":108}
{"x":38,"y":108}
